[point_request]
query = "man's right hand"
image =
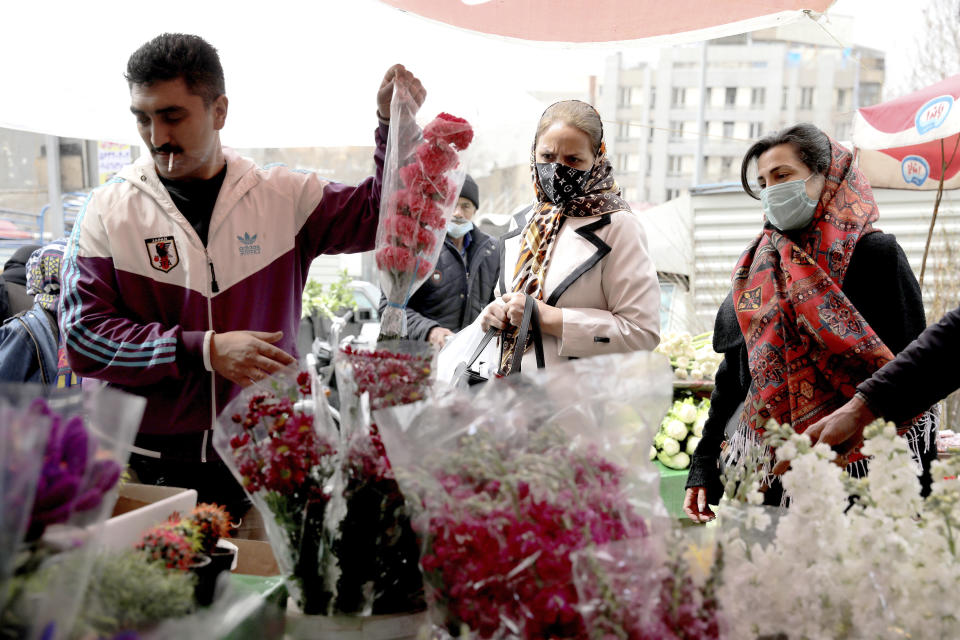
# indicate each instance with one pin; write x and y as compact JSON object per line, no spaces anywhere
{"x":245,"y":357}
{"x":438,"y":336}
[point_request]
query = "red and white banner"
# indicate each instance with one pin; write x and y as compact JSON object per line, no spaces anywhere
{"x":610,"y":20}
{"x":903,"y":143}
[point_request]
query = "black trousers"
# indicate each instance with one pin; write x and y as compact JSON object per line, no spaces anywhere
{"x":181,"y":465}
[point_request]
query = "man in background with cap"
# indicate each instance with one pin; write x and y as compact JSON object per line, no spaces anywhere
{"x":462,"y":283}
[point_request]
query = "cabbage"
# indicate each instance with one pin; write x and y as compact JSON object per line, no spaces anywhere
{"x":670,"y":446}
{"x":686,"y":412}
{"x":698,"y":427}
{"x":692,"y":443}
{"x":676,"y":430}
{"x":678,"y":462}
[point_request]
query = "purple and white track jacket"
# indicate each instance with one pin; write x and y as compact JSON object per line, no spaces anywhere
{"x":142,"y":296}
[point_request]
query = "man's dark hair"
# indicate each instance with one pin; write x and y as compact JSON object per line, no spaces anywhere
{"x":812,"y":146}
{"x":178,"y":55}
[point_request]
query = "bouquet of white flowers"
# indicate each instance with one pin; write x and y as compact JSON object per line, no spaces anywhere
{"x":692,"y":357}
{"x":878,"y":566}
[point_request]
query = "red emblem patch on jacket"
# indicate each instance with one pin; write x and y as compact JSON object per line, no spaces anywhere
{"x":162,"y":252}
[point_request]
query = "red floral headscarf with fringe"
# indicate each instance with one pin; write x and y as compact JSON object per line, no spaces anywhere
{"x":808,"y":345}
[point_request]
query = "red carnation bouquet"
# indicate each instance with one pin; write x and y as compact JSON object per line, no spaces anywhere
{"x":284,"y":455}
{"x":506,"y":486}
{"x":421,"y":182}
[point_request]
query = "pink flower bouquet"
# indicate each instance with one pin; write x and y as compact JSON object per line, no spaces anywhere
{"x":506,"y":486}
{"x":421,"y":183}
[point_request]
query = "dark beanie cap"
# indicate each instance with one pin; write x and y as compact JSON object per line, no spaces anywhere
{"x":471,"y":191}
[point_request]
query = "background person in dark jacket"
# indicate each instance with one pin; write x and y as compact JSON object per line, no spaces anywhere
{"x":13,"y":283}
{"x":921,"y":375}
{"x":462,"y":283}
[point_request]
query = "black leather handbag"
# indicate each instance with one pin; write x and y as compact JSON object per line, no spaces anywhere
{"x":529,"y":328}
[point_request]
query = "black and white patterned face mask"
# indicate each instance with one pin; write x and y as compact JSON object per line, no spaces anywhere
{"x":561,"y":183}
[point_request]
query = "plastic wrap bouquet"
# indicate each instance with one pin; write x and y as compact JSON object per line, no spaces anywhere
{"x":61,"y":457}
{"x":333,"y":512}
{"x":505,"y":486}
{"x":659,"y":587}
{"x":374,"y":543}
{"x":421,"y":182}
{"x":284,"y":456}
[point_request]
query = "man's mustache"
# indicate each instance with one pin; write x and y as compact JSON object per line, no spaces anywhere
{"x":166,"y":149}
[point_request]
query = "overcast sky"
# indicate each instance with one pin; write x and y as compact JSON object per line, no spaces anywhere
{"x":305,"y":73}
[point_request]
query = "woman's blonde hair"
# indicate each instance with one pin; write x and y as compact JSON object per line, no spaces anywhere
{"x":576,"y":114}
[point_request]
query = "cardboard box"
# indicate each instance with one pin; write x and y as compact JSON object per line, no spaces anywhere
{"x":255,"y":558}
{"x":140,"y":507}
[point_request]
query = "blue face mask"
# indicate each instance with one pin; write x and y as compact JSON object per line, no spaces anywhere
{"x":459,"y":229}
{"x":787,"y":205}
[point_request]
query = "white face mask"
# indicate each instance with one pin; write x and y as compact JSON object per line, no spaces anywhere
{"x":787,"y":205}
{"x":459,"y":229}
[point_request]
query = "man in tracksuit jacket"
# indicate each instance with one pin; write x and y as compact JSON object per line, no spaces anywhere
{"x":183,"y":277}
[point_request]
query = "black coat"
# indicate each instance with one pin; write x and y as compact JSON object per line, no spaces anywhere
{"x":923,"y":374}
{"x":880,"y":284}
{"x":457,"y":291}
{"x":13,"y":290}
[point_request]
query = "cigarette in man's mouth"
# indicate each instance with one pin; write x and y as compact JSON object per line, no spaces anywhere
{"x":170,"y":162}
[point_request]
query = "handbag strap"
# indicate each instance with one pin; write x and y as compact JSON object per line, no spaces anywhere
{"x":529,"y":326}
{"x":463,"y":367}
{"x":488,"y":336}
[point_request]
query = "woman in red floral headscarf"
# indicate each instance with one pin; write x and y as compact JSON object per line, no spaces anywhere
{"x":820,"y":300}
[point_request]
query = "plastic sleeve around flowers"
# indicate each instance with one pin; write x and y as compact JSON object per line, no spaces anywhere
{"x":82,"y":457}
{"x":489,"y":475}
{"x":421,"y":183}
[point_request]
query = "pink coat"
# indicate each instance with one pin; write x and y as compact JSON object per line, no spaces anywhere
{"x":602,"y":278}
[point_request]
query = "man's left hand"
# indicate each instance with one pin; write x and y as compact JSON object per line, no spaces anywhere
{"x":842,"y":430}
{"x":398,"y":73}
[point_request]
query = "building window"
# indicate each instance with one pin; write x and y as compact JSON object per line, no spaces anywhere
{"x":843,"y":96}
{"x":623,"y":130}
{"x":758,"y":97}
{"x":649,"y":165}
{"x":726,"y":166}
{"x":674,"y":165}
{"x":869,"y":94}
{"x":843,"y":131}
{"x":727,"y":129}
{"x":673,"y":193}
{"x":653,"y":97}
{"x":806,"y":98}
{"x":730,"y":97}
{"x":678,"y":97}
{"x":676,"y":129}
{"x":786,"y":96}
{"x":756,"y":130}
{"x":650,"y":131}
{"x":625,"y":96}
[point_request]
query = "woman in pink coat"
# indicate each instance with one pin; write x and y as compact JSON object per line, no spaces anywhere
{"x":580,"y":252}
